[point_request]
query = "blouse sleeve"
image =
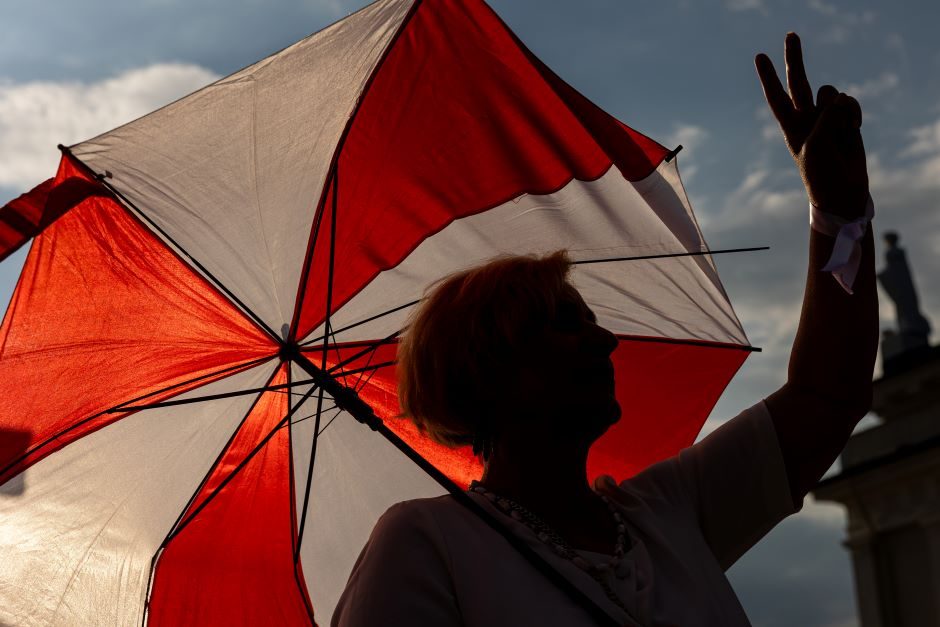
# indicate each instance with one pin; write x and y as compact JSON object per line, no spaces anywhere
{"x":734,"y":481}
{"x":402,"y":575}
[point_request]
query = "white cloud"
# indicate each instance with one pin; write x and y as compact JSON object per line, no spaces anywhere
{"x":746,"y":5}
{"x":769,"y":128}
{"x":35,"y":117}
{"x":916,"y":171}
{"x":822,"y":7}
{"x":770,"y":131}
{"x":758,"y":198}
{"x":906,"y":188}
{"x":690,"y":137}
{"x":843,"y":15}
{"x":875,"y":87}
{"x":843,"y":22}
{"x":926,"y":141}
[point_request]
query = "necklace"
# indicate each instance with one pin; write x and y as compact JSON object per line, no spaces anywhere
{"x":550,"y":537}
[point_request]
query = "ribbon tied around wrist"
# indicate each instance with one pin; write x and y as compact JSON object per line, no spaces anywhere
{"x":847,"y":251}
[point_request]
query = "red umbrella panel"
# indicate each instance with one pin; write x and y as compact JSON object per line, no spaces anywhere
{"x":206,"y":286}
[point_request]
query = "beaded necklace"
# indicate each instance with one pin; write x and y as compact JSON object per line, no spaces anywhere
{"x":550,"y":537}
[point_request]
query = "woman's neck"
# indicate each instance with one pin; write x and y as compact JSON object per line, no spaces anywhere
{"x":544,"y":478}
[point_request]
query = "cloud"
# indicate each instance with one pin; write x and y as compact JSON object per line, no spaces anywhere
{"x":690,"y":137}
{"x":873,"y":88}
{"x":823,"y":7}
{"x":926,"y":141}
{"x":843,"y":22}
{"x":746,"y":5}
{"x":842,"y":15}
{"x":763,"y":199}
{"x":37,"y":116}
{"x":906,"y":189}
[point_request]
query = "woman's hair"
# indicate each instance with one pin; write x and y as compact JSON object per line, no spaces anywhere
{"x":467,"y":338}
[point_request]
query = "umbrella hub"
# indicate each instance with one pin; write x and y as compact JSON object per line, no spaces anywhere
{"x":288,"y":351}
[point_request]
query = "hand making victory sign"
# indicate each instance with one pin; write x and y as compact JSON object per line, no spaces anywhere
{"x":824,"y":136}
{"x":828,"y":387}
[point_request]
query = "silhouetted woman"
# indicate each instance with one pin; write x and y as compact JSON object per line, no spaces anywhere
{"x":509,"y":357}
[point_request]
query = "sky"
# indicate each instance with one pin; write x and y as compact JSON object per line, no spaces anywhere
{"x":677,"y":70}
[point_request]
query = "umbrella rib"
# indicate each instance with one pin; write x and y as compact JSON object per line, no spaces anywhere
{"x":364,"y":383}
{"x":280,"y":388}
{"x":669,"y":255}
{"x":326,"y":348}
{"x":72,"y":427}
{"x":305,"y":418}
{"x":292,"y":501}
{"x":135,"y":210}
{"x":369,"y":367}
{"x":334,"y":160}
{"x":369,"y":363}
{"x":339,"y":356}
{"x":308,"y":262}
{"x":155,"y":559}
{"x":372,"y":346}
{"x":208,"y":397}
{"x":244,"y":462}
{"x":218,"y":459}
{"x":336,"y":415}
{"x":330,"y":421}
{"x":686,"y":342}
{"x":579,"y":262}
{"x":362,"y":322}
{"x":374,"y":369}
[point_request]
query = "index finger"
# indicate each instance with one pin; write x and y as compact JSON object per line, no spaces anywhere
{"x":777,"y":98}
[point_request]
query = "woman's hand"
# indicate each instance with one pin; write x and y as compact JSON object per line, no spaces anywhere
{"x":824,"y":137}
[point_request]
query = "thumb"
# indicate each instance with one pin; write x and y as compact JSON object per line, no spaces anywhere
{"x":604,"y":481}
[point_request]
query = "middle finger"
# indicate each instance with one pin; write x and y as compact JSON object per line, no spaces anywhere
{"x":800,"y":91}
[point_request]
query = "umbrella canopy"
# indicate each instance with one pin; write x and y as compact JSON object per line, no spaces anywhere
{"x":206,"y":284}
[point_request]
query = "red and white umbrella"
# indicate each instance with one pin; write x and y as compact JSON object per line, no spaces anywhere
{"x":208,"y":285}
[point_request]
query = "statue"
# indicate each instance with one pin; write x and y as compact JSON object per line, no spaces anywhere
{"x":897,"y":281}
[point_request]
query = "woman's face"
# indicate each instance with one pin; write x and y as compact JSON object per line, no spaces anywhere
{"x":568,"y":378}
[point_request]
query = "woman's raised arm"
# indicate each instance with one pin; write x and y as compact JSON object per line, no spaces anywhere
{"x":828,"y":388}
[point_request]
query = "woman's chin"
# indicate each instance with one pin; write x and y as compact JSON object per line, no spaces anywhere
{"x":615,"y":412}
{"x":605,"y":417}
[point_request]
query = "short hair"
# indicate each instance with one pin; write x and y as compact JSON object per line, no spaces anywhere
{"x":468,"y":335}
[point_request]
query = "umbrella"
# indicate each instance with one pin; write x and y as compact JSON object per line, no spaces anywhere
{"x":197,"y":383}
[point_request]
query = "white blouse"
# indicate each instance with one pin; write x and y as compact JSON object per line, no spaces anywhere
{"x":689,"y":518}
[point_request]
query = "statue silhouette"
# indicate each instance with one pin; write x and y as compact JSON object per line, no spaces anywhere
{"x":898,"y":282}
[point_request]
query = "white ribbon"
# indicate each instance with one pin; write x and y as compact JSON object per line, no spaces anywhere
{"x":847,"y":251}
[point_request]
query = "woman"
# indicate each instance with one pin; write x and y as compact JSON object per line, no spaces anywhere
{"x":652,"y":550}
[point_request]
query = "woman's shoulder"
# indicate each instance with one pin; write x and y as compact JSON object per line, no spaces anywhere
{"x":405,"y":553}
{"x":423,"y":514}
{"x":442,"y":520}
{"x":407,"y":531}
{"x":407,"y":510}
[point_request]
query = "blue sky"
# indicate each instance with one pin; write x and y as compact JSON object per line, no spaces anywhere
{"x":678,"y":70}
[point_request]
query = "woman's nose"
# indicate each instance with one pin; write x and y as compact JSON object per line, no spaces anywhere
{"x":606,"y":341}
